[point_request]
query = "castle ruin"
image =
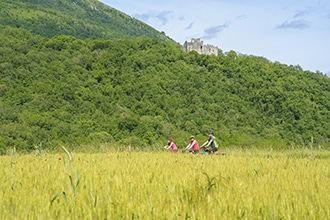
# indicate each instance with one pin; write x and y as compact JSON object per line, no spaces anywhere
{"x":196,"y":44}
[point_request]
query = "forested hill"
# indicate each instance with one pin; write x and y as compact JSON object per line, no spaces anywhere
{"x":80,"y":18}
{"x":137,"y":92}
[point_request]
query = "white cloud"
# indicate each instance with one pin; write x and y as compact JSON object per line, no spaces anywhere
{"x":241,"y":17}
{"x":213,"y":31}
{"x":302,"y":13}
{"x":162,"y":16}
{"x":189,"y":26}
{"x":296,"y":24}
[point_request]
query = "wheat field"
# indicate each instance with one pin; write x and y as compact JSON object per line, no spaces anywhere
{"x":161,"y":185}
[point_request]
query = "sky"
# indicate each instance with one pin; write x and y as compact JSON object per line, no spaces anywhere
{"x":295,"y":32}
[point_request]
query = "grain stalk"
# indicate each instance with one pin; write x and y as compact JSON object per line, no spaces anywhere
{"x":13,"y":181}
{"x":311,"y":146}
{"x":37,"y":148}
{"x":93,"y":198}
{"x":211,"y":182}
{"x":71,"y":177}
{"x":74,"y":184}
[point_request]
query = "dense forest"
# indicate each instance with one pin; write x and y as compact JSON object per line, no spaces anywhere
{"x":80,"y":18}
{"x":139,"y":91}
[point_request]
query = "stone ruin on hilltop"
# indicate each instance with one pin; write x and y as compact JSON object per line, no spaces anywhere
{"x":196,"y":44}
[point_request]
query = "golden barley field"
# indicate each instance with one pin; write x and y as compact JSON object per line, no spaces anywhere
{"x":247,"y":184}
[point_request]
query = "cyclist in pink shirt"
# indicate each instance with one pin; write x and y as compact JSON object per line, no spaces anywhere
{"x":171,"y":144}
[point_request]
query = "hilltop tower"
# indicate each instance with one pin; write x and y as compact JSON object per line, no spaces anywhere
{"x":196,"y":44}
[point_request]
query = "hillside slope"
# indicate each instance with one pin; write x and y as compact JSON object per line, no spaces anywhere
{"x":137,"y":92}
{"x":80,"y":18}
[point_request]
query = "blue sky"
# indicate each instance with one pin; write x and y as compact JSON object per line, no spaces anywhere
{"x":295,"y":32}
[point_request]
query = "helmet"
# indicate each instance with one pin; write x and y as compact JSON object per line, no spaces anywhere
{"x":192,"y":137}
{"x":170,"y":139}
{"x":210,"y":132}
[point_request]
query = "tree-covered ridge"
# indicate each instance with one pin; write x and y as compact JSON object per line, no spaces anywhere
{"x":140,"y":91}
{"x":80,"y":18}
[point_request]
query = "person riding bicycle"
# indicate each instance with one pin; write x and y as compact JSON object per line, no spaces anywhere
{"x":171,"y":144}
{"x":211,"y":145}
{"x":193,"y":146}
